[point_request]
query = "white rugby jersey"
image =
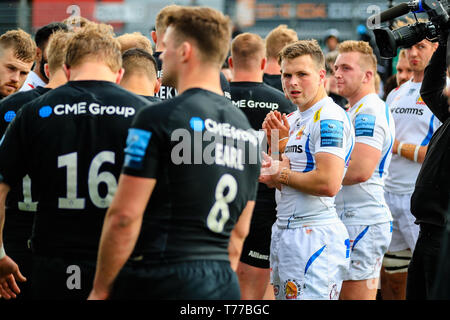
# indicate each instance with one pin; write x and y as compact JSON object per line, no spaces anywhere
{"x":363,"y":203}
{"x":414,"y":123}
{"x":325,"y":127}
{"x":32,"y":81}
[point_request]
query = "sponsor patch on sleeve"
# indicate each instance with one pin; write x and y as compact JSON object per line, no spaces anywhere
{"x":137,"y":142}
{"x":331,"y":133}
{"x":364,"y":125}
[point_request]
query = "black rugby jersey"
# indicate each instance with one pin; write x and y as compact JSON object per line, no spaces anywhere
{"x":151,"y":99}
{"x":256,"y":99}
{"x":205,"y":157}
{"x":273,"y":80}
{"x":70,"y":142}
{"x":19,"y":203}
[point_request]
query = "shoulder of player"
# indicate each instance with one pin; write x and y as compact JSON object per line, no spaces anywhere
{"x":373,"y":105}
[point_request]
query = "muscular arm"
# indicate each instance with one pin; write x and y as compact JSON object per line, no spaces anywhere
{"x":434,"y":82}
{"x":364,"y":160}
{"x":239,"y":234}
{"x":120,"y":231}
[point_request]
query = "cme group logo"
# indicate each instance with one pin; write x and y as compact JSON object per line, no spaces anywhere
{"x":45,"y":111}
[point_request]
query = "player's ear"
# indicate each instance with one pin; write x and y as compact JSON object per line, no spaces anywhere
{"x":263,"y":63}
{"x":120,"y":74}
{"x":230,"y":62}
{"x":157,"y":85}
{"x":154,"y":36}
{"x":66,"y":71}
{"x":47,"y":70}
{"x":322,"y":76}
{"x":186,"y":51}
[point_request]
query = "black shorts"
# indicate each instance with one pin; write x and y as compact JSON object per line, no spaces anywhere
{"x":190,"y":280}
{"x":62,"y":278}
{"x":256,"y":249}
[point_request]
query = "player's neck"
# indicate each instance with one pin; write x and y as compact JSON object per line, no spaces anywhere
{"x":92,"y":71}
{"x":272,"y":67}
{"x":321,"y":93}
{"x":57,"y":79}
{"x":248,"y":76}
{"x":139,"y":85}
{"x":360,"y":94}
{"x":200,"y":76}
{"x":418,"y":76}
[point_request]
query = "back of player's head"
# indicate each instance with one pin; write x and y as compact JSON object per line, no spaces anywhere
{"x":367,"y":57}
{"x":139,"y":61}
{"x":57,"y":49}
{"x":301,"y":48}
{"x":76,"y":23}
{"x":207,"y":28}
{"x":43,"y":34}
{"x":278,"y":38}
{"x":247,"y":50}
{"x":161,"y":18}
{"x":135,"y":40}
{"x":95,"y":42}
{"x":23,"y":46}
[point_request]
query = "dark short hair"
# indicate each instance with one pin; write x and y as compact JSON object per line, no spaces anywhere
{"x":43,"y":34}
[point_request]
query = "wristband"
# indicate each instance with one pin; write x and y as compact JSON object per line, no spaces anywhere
{"x":2,"y":252}
{"x":283,"y":138}
{"x":399,"y":149}
{"x":284,"y":176}
{"x":416,"y":153}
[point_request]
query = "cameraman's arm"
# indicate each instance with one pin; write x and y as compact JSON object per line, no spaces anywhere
{"x":434,"y":82}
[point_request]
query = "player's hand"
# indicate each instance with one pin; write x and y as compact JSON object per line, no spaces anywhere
{"x":269,"y":171}
{"x":98,"y":295}
{"x":277,"y":128}
{"x":9,"y":274}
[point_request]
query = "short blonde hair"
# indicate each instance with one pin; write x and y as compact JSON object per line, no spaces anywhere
{"x":368,"y":58}
{"x":94,"y":42}
{"x":208,"y":28}
{"x":22,"y":44}
{"x":402,"y":54}
{"x":302,"y":48}
{"x":278,"y":38}
{"x":161,"y":18}
{"x":135,"y":40}
{"x":377,"y":82}
{"x":57,"y":49}
{"x":139,"y":61}
{"x":247,"y":49}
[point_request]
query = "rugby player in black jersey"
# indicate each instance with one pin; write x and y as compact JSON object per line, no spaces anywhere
{"x":20,"y":206}
{"x":17,"y":53}
{"x":189,"y":178}
{"x":140,"y":74}
{"x":275,"y":41}
{"x":255,"y":99}
{"x":70,"y":142}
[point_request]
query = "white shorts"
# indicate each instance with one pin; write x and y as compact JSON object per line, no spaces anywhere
{"x":405,"y":231}
{"x":368,"y":246}
{"x":309,"y":262}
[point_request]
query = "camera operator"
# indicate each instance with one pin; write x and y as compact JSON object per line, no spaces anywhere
{"x":430,"y":200}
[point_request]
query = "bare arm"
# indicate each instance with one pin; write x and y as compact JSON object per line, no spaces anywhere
{"x":408,"y":149}
{"x":363,"y":162}
{"x":239,"y":234}
{"x":120,"y":231}
{"x":325,"y":180}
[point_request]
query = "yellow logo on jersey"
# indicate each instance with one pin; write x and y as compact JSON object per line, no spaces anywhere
{"x":317,"y":115}
{"x":420,"y":100}
{"x":300,"y":132}
{"x":359,"y":107}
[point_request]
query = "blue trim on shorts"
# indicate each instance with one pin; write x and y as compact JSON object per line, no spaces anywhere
{"x":314,"y":257}
{"x":359,"y":237}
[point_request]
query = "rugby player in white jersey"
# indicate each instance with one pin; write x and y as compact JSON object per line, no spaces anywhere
{"x":415,"y":124}
{"x":309,"y":252}
{"x":360,"y":203}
